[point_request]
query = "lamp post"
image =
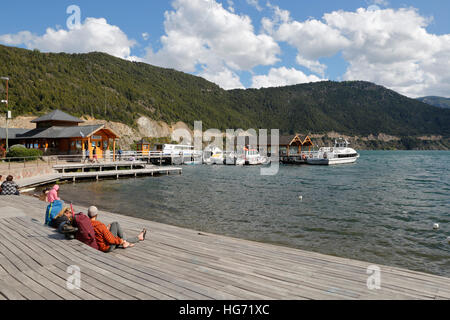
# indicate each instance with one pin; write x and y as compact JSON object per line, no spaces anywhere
{"x":7,"y":111}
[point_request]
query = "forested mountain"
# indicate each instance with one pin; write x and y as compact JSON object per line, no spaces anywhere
{"x":106,"y":87}
{"x":436,"y":101}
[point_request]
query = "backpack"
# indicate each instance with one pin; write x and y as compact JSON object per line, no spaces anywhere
{"x":85,"y":233}
{"x":53,"y":209}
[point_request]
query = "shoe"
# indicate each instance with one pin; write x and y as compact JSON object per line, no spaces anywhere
{"x":69,"y":229}
{"x":70,"y":236}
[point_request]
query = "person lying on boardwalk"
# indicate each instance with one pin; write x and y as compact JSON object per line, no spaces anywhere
{"x":9,"y":187}
{"x":111,"y":237}
{"x":63,"y":222}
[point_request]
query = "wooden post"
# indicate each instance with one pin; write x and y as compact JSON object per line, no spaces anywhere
{"x":83,"y":150}
{"x":114,"y":150}
{"x":90,"y":148}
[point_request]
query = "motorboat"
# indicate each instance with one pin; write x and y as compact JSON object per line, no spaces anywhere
{"x":339,"y":154}
{"x":253,"y":157}
{"x":213,"y":155}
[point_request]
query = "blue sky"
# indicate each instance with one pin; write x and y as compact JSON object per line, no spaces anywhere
{"x":403,"y":45}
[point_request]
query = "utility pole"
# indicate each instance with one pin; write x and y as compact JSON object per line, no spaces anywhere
{"x":105,"y":103}
{"x":8,"y":113}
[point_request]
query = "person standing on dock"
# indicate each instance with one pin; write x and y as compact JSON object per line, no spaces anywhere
{"x":94,"y":154}
{"x":111,"y":237}
{"x":87,"y":154}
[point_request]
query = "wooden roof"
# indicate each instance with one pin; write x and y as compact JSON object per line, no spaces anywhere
{"x":57,"y":115}
{"x":143,"y":141}
{"x":292,"y":140}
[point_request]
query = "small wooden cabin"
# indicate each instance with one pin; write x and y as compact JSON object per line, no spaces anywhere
{"x":143,"y":147}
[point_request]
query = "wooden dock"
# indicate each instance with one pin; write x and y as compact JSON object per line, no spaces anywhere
{"x":177,"y":263}
{"x":69,"y":172}
{"x":101,"y":166}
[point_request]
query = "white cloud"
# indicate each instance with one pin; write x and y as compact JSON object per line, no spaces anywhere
{"x":93,"y":35}
{"x":225,"y":78}
{"x":146,"y":36}
{"x":393,"y":48}
{"x":283,"y":76}
{"x":255,"y":3}
{"x":212,"y":37}
{"x":389,"y":47}
{"x":313,"y":39}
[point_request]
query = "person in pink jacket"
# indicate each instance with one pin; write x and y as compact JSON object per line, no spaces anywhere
{"x":53,"y":194}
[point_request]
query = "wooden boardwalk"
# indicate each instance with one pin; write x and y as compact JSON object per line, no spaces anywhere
{"x":177,"y":263}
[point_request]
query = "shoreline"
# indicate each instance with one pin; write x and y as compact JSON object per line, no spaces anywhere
{"x":192,"y":265}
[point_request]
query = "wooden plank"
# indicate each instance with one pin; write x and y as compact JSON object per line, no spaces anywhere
{"x":28,"y":247}
{"x":95,"y":284}
{"x":9,"y":292}
{"x":31,"y":283}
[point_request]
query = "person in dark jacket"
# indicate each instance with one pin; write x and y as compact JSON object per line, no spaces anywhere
{"x":9,"y":187}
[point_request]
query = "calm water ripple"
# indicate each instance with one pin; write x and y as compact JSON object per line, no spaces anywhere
{"x":381,"y":209}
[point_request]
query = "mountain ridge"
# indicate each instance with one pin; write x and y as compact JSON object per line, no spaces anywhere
{"x":440,"y":102}
{"x":105,"y":87}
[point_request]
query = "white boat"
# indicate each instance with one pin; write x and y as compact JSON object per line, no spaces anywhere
{"x":180,"y":154}
{"x":339,"y":154}
{"x":252,"y":157}
{"x":213,"y":155}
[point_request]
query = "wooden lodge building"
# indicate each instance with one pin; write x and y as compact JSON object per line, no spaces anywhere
{"x":59,"y":133}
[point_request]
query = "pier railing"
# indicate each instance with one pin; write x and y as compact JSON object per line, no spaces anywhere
{"x":50,"y":160}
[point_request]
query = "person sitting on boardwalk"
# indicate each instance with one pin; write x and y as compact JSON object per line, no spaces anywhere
{"x":63,"y":222}
{"x":44,"y":196}
{"x":9,"y":187}
{"x":111,"y":237}
{"x":53,"y":194}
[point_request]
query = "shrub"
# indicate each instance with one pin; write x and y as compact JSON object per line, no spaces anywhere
{"x":22,"y":152}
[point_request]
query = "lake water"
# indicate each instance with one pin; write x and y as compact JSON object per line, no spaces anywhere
{"x":381,"y":209}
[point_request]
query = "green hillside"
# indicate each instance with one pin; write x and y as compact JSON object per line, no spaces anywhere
{"x":436,"y":101}
{"x":109,"y":88}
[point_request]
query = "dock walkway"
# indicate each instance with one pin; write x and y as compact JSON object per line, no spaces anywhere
{"x":177,"y":263}
{"x":99,"y":166}
{"x":115,"y":172}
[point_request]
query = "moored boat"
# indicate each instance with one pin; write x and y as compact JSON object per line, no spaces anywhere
{"x":339,"y":154}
